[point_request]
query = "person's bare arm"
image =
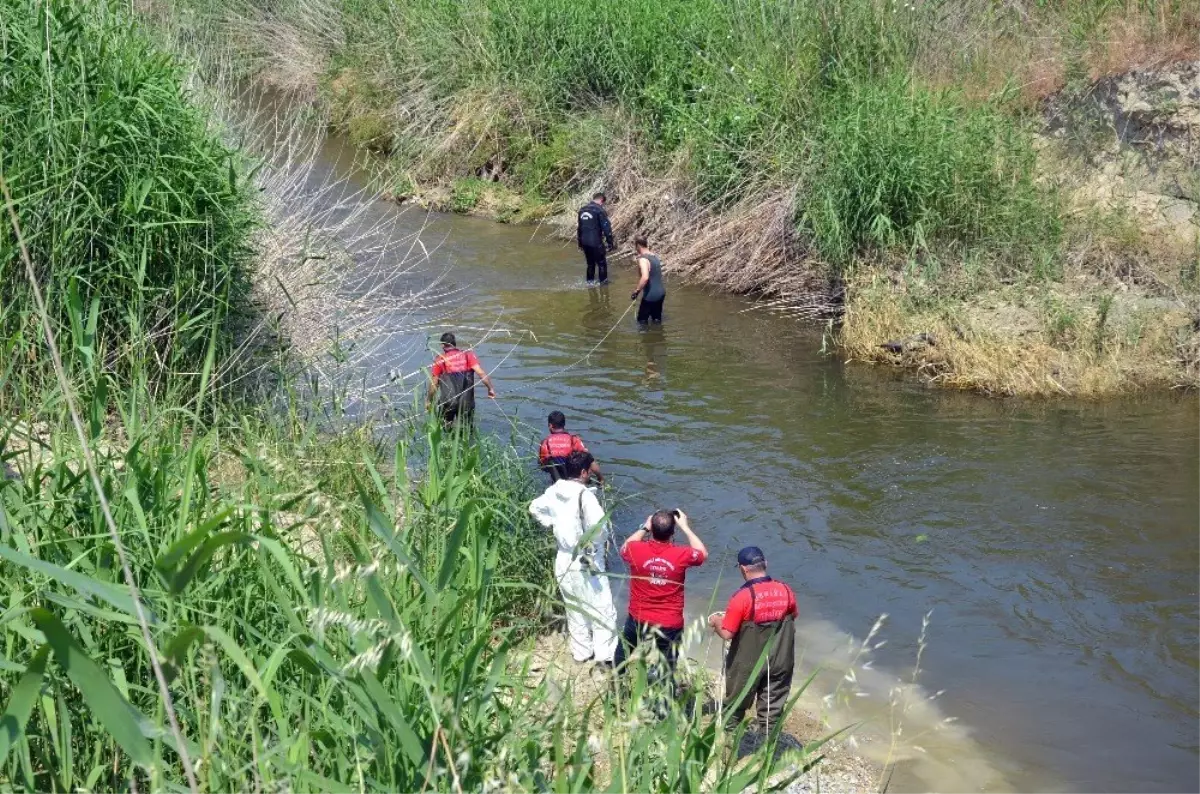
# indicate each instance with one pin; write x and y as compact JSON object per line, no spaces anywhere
{"x":596,"y":472}
{"x":643,"y":279}
{"x":432,"y":391}
{"x":714,"y":622}
{"x":681,"y":521}
{"x":487,"y":382}
{"x":641,"y":533}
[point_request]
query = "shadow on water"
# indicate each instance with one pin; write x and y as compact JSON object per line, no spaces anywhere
{"x":1055,"y":543}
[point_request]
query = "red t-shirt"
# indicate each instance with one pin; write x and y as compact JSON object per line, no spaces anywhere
{"x":559,"y":445}
{"x":657,"y":570}
{"x":769,"y":601}
{"x":454,"y":360}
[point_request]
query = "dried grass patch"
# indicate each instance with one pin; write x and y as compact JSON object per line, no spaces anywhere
{"x":1008,"y":350}
{"x":750,"y":248}
{"x":985,"y":50}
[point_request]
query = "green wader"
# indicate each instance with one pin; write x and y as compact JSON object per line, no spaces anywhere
{"x":774,"y":680}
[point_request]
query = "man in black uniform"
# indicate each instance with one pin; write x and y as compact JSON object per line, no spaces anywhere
{"x":595,"y":233}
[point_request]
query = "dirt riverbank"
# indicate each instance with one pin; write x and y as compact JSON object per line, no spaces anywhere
{"x":841,"y":771}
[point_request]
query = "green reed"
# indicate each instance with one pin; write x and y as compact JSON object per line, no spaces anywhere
{"x":759,"y":94}
{"x":331,"y":612}
{"x":136,"y":215}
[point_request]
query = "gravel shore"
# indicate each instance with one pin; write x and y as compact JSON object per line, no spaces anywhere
{"x":841,"y":771}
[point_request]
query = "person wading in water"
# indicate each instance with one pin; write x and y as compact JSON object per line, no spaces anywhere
{"x":760,"y":619}
{"x":554,"y":449}
{"x":452,"y":380}
{"x":594,"y":234}
{"x":650,"y":284}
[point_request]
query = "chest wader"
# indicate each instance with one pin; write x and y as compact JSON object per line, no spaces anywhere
{"x":456,"y":396}
{"x":556,"y":465}
{"x":772,"y":682}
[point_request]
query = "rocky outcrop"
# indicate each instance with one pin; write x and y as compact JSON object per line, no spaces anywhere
{"x":1138,"y":134}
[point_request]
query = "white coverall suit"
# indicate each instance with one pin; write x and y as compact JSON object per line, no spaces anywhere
{"x":574,"y":513}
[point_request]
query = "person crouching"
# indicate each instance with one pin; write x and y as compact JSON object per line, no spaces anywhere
{"x":571,"y":510}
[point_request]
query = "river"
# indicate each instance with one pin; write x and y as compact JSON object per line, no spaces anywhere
{"x":1054,"y":543}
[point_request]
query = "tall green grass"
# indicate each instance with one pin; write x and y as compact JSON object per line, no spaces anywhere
{"x":136,"y":215}
{"x":760,"y":93}
{"x":897,"y":126}
{"x":331,"y":612}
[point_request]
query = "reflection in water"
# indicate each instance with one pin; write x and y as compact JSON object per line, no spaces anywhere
{"x":1056,"y":544}
{"x":654,"y":351}
{"x":598,"y":316}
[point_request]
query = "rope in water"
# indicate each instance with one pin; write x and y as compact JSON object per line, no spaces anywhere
{"x":531,"y":384}
{"x":578,"y":361}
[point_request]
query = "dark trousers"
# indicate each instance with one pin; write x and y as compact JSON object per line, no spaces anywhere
{"x":650,"y":311}
{"x":453,"y":415}
{"x":596,"y":261}
{"x":457,"y":408}
{"x":636,"y":632}
{"x":769,"y":688}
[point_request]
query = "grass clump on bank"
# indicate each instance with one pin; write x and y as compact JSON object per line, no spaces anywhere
{"x":816,"y":97}
{"x":323,"y":624}
{"x":135,"y":214}
{"x":1032,"y":339}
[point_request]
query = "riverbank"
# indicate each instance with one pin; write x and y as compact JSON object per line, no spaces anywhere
{"x":965,"y":200}
{"x":841,"y":770}
{"x":218,"y":576}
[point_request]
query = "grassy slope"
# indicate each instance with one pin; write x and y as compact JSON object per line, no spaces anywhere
{"x":327,"y":611}
{"x":135,"y":217}
{"x":849,"y":143}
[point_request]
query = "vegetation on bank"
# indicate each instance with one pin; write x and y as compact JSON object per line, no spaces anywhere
{"x":831,"y":144}
{"x":819,"y":98}
{"x":135,"y":216}
{"x":202,"y":593}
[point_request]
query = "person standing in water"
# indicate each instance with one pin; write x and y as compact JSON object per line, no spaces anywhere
{"x":554,"y":449}
{"x":452,"y":380}
{"x":594,"y":234}
{"x":650,"y":284}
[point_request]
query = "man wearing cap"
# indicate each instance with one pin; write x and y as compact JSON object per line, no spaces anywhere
{"x":760,"y":619}
{"x":452,"y":381}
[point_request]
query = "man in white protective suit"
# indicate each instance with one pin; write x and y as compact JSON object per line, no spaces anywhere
{"x":572,"y":511}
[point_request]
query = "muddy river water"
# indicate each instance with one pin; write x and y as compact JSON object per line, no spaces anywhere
{"x":1054,"y":543}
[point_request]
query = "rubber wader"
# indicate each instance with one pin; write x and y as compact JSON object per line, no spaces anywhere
{"x":774,"y":680}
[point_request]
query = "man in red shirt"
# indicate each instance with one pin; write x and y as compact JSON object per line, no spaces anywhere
{"x":452,"y":379}
{"x":759,"y":621}
{"x":657,"y":569}
{"x":556,"y":447}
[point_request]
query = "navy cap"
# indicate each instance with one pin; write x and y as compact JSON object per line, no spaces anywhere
{"x":751,"y":555}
